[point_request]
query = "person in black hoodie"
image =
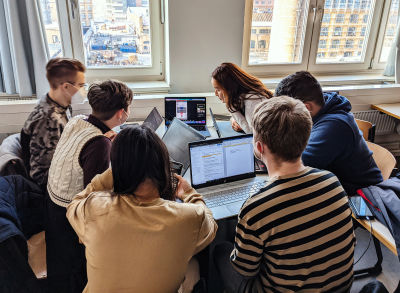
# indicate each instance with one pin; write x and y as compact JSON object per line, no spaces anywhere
{"x":336,"y":144}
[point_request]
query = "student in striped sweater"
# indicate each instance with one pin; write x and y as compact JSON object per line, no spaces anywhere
{"x":296,"y":234}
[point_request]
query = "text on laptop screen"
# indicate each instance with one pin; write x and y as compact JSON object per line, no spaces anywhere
{"x":190,"y":110}
{"x":227,"y":158}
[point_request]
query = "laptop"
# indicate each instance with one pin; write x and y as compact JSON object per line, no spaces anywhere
{"x":176,"y":138}
{"x":192,"y":111}
{"x":224,"y":129}
{"x":154,"y":121}
{"x":222,"y":170}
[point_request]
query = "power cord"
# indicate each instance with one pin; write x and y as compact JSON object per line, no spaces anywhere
{"x":369,"y":242}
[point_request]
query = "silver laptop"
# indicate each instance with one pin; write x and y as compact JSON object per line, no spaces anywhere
{"x":177,"y":138}
{"x":222,"y":170}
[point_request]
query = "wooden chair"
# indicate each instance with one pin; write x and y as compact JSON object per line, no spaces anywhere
{"x":367,"y":128}
{"x":385,"y":162}
{"x":383,"y":159}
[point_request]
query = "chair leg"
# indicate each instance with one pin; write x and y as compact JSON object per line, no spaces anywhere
{"x":377,"y":268}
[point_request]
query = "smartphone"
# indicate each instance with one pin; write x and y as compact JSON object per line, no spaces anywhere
{"x":360,"y":207}
{"x":176,"y":168}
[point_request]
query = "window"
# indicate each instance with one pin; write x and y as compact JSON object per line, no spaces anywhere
{"x":264,"y":31}
{"x":301,"y":38}
{"x":349,"y":44}
{"x":48,"y":9}
{"x":324,"y":31}
{"x":326,"y":18}
{"x":340,"y":18}
{"x":272,"y":48}
{"x":353,"y":18}
{"x":252,"y":44}
{"x":389,"y":30}
{"x":253,"y":31}
{"x":350,"y":4}
{"x":362,"y":33}
{"x":115,"y":39}
{"x":337,"y":31}
{"x":351,"y":31}
{"x":335,"y":44}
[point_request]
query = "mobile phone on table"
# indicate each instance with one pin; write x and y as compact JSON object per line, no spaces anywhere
{"x":360,"y":207}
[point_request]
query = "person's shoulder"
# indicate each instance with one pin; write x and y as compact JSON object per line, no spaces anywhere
{"x":98,"y":203}
{"x":188,"y":210}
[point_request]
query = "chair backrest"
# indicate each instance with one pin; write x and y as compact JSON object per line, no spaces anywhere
{"x":365,"y":127}
{"x":383,"y":159}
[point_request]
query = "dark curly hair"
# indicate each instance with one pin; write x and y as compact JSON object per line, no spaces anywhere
{"x":107,"y":97}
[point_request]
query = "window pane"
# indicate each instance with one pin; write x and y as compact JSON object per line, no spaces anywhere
{"x":52,"y":29}
{"x":116,"y":33}
{"x":351,"y":20}
{"x":390,"y":30}
{"x":277,"y":31}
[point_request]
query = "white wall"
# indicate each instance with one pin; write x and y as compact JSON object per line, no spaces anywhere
{"x":202,"y":34}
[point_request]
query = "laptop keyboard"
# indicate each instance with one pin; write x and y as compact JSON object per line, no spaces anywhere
{"x":228,"y":196}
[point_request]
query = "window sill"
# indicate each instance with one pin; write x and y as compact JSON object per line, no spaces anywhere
{"x":340,"y":82}
{"x":148,"y":87}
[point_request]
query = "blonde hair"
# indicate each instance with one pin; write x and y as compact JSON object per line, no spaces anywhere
{"x":284,"y":125}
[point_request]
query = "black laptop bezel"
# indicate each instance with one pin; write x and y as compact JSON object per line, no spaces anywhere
{"x":222,"y":180}
{"x":214,"y":121}
{"x":168,"y":122}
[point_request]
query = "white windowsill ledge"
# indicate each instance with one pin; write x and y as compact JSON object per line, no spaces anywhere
{"x":340,"y":82}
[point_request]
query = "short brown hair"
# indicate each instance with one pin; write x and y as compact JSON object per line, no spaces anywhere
{"x":60,"y":70}
{"x":107,"y":97}
{"x":284,"y":125}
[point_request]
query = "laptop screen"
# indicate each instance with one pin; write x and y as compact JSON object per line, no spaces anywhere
{"x":192,"y":111}
{"x":221,"y":160}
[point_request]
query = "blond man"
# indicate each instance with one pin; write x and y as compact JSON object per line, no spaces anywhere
{"x":296,"y":234}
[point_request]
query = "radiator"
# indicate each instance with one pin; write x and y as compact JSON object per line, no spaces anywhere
{"x":385,"y":124}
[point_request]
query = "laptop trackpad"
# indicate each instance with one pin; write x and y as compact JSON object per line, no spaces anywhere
{"x":234,"y":207}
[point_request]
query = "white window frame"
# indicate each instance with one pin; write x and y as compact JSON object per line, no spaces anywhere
{"x":72,"y":44}
{"x":370,"y":64}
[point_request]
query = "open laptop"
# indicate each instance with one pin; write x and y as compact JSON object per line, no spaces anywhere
{"x":224,"y":129}
{"x":192,"y":111}
{"x":154,"y":121}
{"x":177,"y":137}
{"x":222,"y":170}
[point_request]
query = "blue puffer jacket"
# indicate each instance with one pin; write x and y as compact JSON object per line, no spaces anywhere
{"x":21,"y":208}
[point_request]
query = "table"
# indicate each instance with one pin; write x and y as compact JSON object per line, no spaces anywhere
{"x":389,"y":109}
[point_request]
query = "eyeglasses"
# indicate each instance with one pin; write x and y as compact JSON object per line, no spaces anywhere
{"x":81,"y":85}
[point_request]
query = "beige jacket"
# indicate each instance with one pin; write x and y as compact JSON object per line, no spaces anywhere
{"x":138,"y":247}
{"x":250,"y":103}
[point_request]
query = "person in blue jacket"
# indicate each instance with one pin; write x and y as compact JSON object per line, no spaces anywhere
{"x":336,"y":144}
